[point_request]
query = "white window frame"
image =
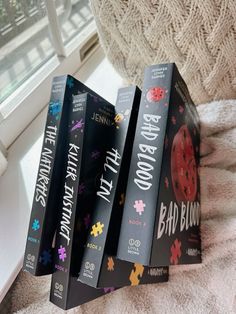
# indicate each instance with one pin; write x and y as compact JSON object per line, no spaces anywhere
{"x":33,"y":95}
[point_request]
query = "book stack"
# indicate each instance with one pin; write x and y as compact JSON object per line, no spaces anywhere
{"x":117,"y":196}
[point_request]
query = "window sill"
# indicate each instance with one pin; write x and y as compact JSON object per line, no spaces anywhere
{"x":17,"y":183}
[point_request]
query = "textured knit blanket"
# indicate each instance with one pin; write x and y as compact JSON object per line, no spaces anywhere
{"x":198,"y":35}
{"x":206,"y":288}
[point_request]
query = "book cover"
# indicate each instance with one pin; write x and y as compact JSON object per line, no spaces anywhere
{"x":78,"y":293}
{"x":40,"y":243}
{"x":161,"y":218}
{"x":38,"y":252}
{"x":91,"y":122}
{"x":112,"y":186}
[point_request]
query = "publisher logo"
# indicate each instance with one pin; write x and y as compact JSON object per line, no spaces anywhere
{"x":58,"y":290}
{"x":89,"y":266}
{"x":58,"y":286}
{"x":88,"y":269}
{"x":193,"y":252}
{"x":133,"y":247}
{"x":133,"y":242}
{"x":30,"y":259}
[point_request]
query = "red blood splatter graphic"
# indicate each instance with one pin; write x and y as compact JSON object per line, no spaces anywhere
{"x":183,"y":166}
{"x":175,"y":252}
{"x":166,"y":182}
{"x":155,"y":94}
{"x":181,"y":109}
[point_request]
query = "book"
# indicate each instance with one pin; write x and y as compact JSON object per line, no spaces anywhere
{"x":78,"y":293}
{"x":161,"y":218}
{"x":40,"y":243}
{"x":117,"y":273}
{"x":99,"y":267}
{"x":38,"y":252}
{"x":106,"y":203}
{"x":87,"y":144}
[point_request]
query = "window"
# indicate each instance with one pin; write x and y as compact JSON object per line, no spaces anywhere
{"x":38,"y":39}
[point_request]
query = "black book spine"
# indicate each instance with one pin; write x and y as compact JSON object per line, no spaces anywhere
{"x":38,"y":259}
{"x":65,"y":230}
{"x":126,"y":111}
{"x":177,"y":226}
{"x":135,"y":242}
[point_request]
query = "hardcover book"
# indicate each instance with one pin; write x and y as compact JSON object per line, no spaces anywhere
{"x":91,"y":121}
{"x":161,"y":218}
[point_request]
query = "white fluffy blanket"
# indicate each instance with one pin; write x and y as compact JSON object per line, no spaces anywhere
{"x":206,"y":288}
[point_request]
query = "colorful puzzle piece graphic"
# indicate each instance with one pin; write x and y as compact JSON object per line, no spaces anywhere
{"x":136,"y":274}
{"x":46,"y":257}
{"x":139,"y":206}
{"x":81,"y":188}
{"x":97,"y":229}
{"x":166,"y":182}
{"x":77,"y":125}
{"x":95,"y":154}
{"x":122,"y":199}
{"x":119,"y":117}
{"x":110,"y":264}
{"x":70,"y":82}
{"x":175,"y":252}
{"x":35,"y":225}
{"x":62,"y":253}
{"x":108,"y":289}
{"x":54,"y":107}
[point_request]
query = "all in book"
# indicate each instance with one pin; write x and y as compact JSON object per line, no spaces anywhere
{"x":161,"y":218}
{"x":109,"y":192}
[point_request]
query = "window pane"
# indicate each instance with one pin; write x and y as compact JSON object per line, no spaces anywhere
{"x":74,"y":16}
{"x":25,"y":42}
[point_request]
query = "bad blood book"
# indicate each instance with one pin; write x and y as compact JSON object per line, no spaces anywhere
{"x":38,"y":253}
{"x":161,"y":218}
{"x":44,"y":214}
{"x":91,"y":121}
{"x":99,"y":267}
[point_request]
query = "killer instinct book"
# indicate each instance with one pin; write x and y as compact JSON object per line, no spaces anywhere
{"x":38,"y":253}
{"x":161,"y":217}
{"x":91,"y":121}
{"x":38,"y":259}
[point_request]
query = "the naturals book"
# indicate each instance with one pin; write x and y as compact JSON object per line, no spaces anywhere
{"x":38,"y":253}
{"x":91,"y":121}
{"x":161,"y":218}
